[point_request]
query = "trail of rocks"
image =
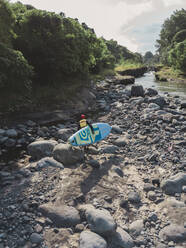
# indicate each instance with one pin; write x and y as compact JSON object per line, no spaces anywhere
{"x":127,"y":191}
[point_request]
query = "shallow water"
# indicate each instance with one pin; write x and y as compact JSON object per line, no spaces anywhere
{"x":175,"y":89}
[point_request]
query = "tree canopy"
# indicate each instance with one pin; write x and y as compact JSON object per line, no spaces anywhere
{"x":171,"y":44}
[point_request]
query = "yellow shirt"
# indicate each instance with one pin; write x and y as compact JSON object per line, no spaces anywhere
{"x":83,"y":123}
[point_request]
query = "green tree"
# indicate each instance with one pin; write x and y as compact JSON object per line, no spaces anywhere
{"x":171,"y":26}
{"x":57,"y":47}
{"x":6,"y":23}
{"x":16,"y":73}
{"x":179,"y":36}
{"x":177,"y":56}
{"x":148,"y":57}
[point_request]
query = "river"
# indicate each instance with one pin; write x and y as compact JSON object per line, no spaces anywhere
{"x":175,"y":89}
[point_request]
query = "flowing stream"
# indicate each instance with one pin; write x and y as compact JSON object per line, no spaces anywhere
{"x":175,"y":89}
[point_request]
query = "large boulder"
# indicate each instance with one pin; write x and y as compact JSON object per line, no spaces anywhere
{"x":174,"y":184}
{"x":64,"y":133}
{"x":100,"y":221}
{"x":61,"y":216}
{"x":159,"y":100}
{"x":173,"y":232}
{"x":41,"y":148}
{"x":137,"y":90}
{"x":183,"y":105}
{"x":91,"y":240}
{"x":68,"y":155}
{"x":125,"y":80}
{"x":11,"y":133}
{"x":151,"y":92}
{"x":121,"y":239}
{"x":48,"y":162}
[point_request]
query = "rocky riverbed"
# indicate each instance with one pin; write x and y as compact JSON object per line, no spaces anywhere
{"x":126,"y":191}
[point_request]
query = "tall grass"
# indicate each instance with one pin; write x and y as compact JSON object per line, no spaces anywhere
{"x":127,"y":64}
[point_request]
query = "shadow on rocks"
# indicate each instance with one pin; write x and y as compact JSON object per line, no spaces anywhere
{"x":95,"y":176}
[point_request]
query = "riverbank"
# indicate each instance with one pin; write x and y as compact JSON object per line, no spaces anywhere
{"x":50,"y":105}
{"x":127,"y":191}
{"x":169,"y":75}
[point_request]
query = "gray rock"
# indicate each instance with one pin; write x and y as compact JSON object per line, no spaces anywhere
{"x":40,"y":149}
{"x":3,"y":140}
{"x":134,"y":197}
{"x":79,"y":228}
{"x":137,"y":90}
{"x":152,"y":217}
{"x":11,"y":133}
{"x":154,"y":106}
{"x":118,"y":171}
{"x":159,"y":100}
{"x":64,"y":133}
{"x":148,"y":187}
{"x":94,"y":163}
{"x":121,"y":239}
{"x":10,"y":143}
{"x":116,"y":129}
{"x":151,"y":195}
{"x":48,"y":162}
{"x":36,"y":238}
{"x":174,"y":233}
{"x":121,"y":141}
{"x":110,"y":149}
{"x":151,"y":92}
{"x":61,"y":216}
{"x":174,"y":184}
{"x":184,"y":189}
{"x":136,"y":227}
{"x":68,"y":155}
{"x":183,"y":105}
{"x":90,"y":239}
{"x":126,"y":92}
{"x":100,"y":221}
{"x":30,"y":123}
{"x":2,"y":132}
{"x":21,"y":141}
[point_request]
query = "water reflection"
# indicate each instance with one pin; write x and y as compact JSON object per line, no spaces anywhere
{"x":149,"y":81}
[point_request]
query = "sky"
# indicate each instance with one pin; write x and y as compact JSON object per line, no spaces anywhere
{"x":135,"y":24}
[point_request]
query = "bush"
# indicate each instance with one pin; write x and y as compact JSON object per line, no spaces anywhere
{"x":177,"y":56}
{"x":15,"y":71}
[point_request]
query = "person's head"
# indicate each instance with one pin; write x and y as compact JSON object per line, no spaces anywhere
{"x":82,"y":116}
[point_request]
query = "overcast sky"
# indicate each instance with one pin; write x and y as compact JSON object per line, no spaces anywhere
{"x":135,"y":24}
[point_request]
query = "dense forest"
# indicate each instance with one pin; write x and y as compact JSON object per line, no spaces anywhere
{"x":41,"y":50}
{"x":172,"y":43}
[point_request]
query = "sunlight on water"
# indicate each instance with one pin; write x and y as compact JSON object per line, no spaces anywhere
{"x":149,"y":81}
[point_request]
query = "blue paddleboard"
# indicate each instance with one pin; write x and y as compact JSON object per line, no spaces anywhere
{"x":85,"y":136}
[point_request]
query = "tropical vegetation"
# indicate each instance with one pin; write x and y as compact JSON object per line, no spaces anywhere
{"x":42,"y":51}
{"x":171,"y":46}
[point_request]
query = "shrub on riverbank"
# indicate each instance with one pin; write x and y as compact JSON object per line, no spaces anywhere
{"x":166,"y":73}
{"x":128,"y":64}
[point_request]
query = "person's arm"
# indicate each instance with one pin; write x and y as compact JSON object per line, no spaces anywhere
{"x":91,"y":127}
{"x":78,"y":127}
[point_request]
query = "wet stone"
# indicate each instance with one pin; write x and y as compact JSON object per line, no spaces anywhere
{"x":151,"y":195}
{"x":36,"y":238}
{"x":134,"y":197}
